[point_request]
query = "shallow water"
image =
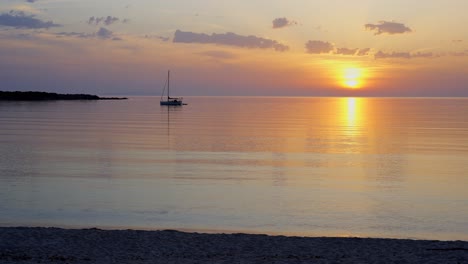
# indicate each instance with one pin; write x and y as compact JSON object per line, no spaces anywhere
{"x":380,"y":167}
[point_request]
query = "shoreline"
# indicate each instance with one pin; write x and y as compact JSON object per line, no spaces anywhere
{"x":205,"y":230}
{"x":46,"y":96}
{"x":50,"y":244}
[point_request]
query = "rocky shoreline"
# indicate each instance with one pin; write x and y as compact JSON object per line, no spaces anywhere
{"x":56,"y":245}
{"x":44,"y":96}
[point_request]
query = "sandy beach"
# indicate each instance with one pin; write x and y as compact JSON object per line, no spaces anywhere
{"x":56,"y":245}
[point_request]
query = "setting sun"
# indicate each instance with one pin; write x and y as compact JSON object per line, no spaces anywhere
{"x":352,"y":77}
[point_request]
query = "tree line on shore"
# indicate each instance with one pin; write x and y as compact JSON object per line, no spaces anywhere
{"x":45,"y":96}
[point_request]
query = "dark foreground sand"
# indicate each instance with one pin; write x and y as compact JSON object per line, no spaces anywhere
{"x":54,"y":245}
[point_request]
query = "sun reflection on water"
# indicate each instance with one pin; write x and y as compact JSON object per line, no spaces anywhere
{"x":351,"y":110}
{"x":352,"y":125}
{"x":352,"y":115}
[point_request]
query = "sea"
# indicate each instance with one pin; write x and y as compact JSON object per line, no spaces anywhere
{"x":302,"y":166}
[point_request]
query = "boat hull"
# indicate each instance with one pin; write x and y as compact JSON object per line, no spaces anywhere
{"x":171,"y":102}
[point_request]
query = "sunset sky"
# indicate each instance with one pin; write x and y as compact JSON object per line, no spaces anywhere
{"x":270,"y":48}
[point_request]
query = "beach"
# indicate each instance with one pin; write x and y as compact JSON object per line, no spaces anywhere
{"x":57,"y":245}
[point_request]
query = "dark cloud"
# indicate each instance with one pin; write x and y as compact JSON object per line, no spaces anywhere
{"x":109,"y":20}
{"x":104,"y":33}
{"x":282,"y":22}
{"x":317,"y":47}
{"x":457,"y":40}
{"x":385,"y":27}
{"x":402,"y":55}
{"x":230,"y":39}
{"x":19,"y":19}
{"x":31,"y":1}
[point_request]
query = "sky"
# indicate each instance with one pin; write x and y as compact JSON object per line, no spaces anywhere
{"x":238,"y":48}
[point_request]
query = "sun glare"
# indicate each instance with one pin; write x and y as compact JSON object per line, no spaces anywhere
{"x":352,"y":78}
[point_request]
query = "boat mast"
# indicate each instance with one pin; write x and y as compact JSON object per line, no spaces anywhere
{"x":168,"y":85}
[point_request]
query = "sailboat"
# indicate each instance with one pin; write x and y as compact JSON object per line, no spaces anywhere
{"x":170,"y":100}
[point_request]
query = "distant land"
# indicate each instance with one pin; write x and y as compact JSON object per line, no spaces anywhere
{"x":44,"y":96}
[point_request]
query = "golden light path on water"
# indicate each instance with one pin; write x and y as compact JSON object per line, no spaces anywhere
{"x":353,"y":115}
{"x":351,"y":104}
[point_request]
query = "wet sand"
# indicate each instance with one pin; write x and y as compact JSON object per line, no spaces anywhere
{"x":56,"y":245}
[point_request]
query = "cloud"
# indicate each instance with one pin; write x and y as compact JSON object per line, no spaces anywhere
{"x":459,"y":54}
{"x":352,"y":52}
{"x":363,"y":52}
{"x":457,"y":40}
{"x":317,"y":47}
{"x":102,"y":33}
{"x":346,"y":51}
{"x":282,"y":22}
{"x":383,"y":55}
{"x":31,"y":1}
{"x":229,"y":39}
{"x":422,"y":55}
{"x":19,"y":19}
{"x":162,"y":38}
{"x":73,"y":34}
{"x":109,"y":20}
{"x":402,"y":55}
{"x":385,"y":27}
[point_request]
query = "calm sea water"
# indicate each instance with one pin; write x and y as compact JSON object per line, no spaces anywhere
{"x":379,"y":167}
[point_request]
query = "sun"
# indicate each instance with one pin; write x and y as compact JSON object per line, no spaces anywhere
{"x":353,"y":77}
